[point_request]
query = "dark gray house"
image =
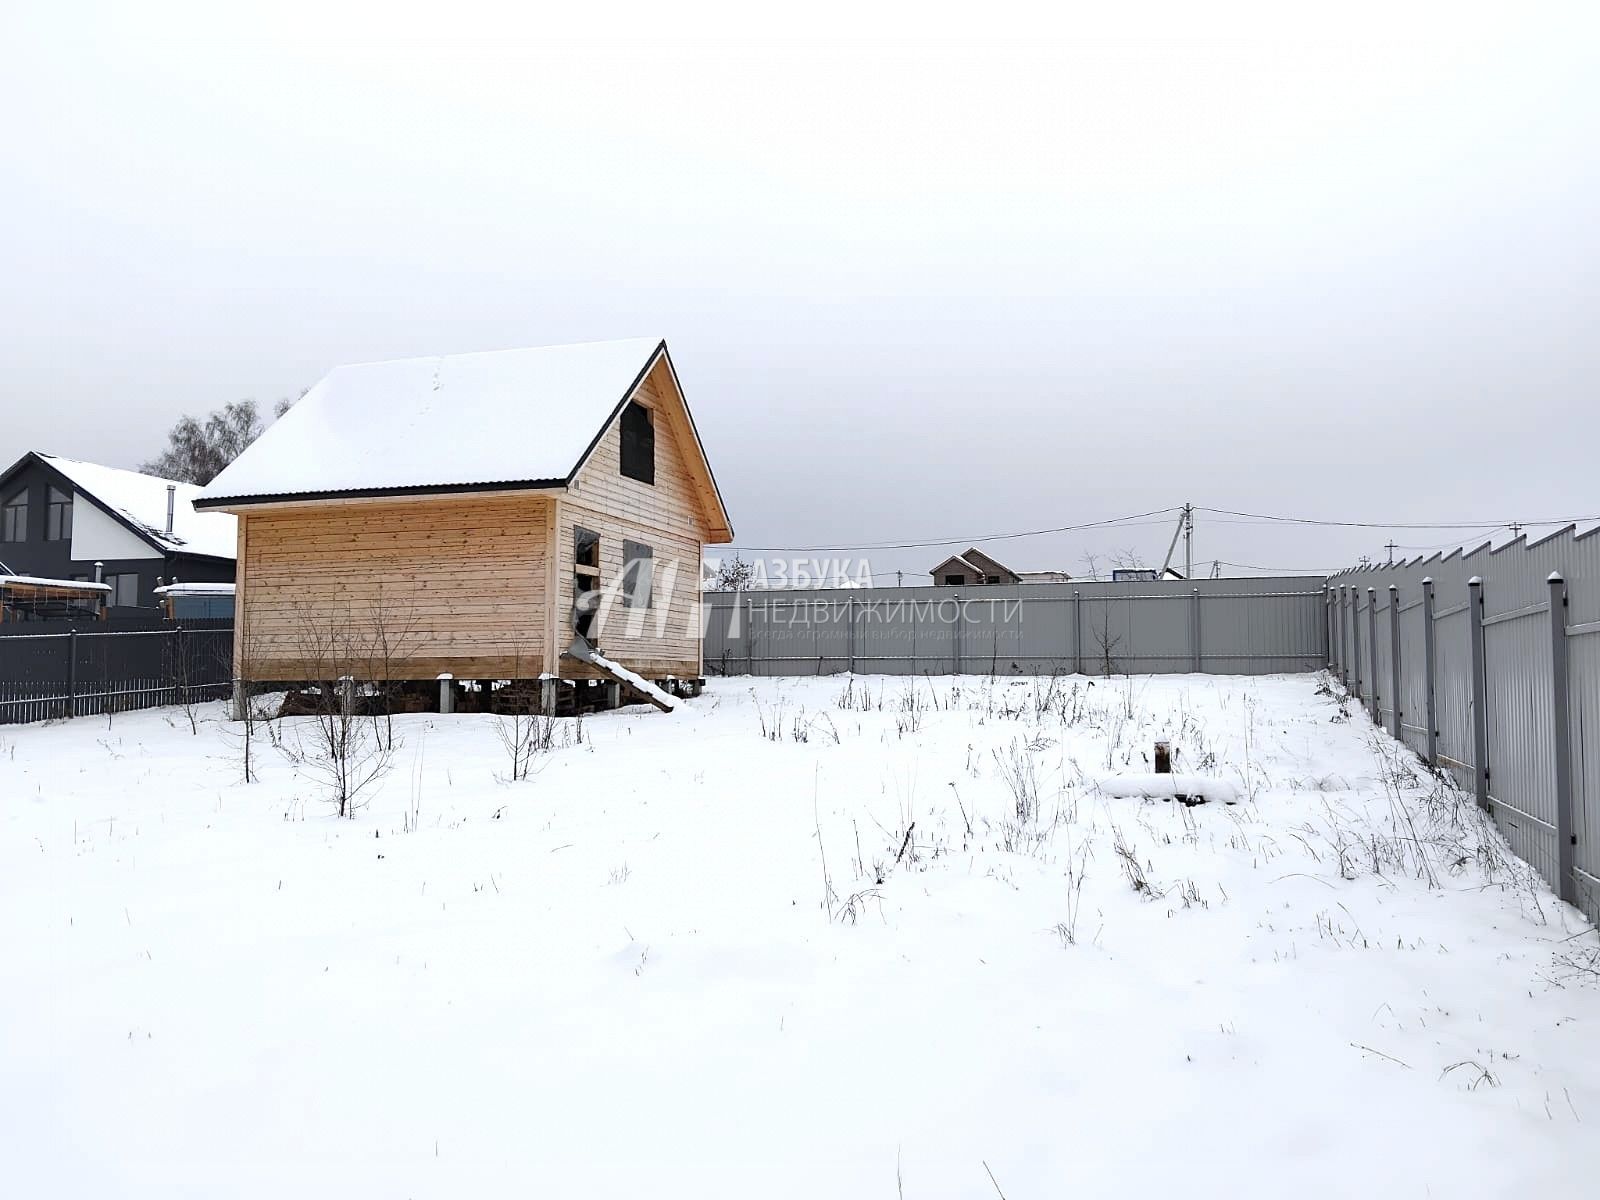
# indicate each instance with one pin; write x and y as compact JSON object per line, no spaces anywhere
{"x":64,"y":519}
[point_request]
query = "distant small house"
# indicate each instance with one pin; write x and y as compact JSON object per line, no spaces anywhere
{"x":196,"y":601}
{"x":80,"y":522}
{"x":31,"y":598}
{"x":500,"y":516}
{"x":974,"y":567}
{"x":1134,"y":575}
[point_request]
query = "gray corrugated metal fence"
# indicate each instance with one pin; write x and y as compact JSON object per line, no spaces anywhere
{"x":1223,"y":626}
{"x":1488,"y":665}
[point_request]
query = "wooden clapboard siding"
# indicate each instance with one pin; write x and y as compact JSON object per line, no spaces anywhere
{"x":456,"y":585}
{"x":668,"y":516}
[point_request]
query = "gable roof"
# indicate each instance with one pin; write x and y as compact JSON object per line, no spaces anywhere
{"x":139,"y":502}
{"x":977,"y":561}
{"x":959,"y":561}
{"x":501,"y":420}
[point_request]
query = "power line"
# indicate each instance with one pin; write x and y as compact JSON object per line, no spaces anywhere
{"x":1221,"y":516}
{"x":1131,"y":519}
{"x":1275,"y":570}
{"x":1271,"y":517}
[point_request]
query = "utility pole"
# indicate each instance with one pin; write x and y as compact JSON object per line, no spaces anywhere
{"x":1188,"y":541}
{"x":1185,"y":530}
{"x":1390,"y":547}
{"x":899,"y":579}
{"x":1516,"y":528}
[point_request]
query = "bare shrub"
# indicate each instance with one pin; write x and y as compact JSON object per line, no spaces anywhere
{"x":338,"y":745}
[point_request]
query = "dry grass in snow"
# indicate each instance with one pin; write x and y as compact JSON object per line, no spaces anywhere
{"x":826,"y":937}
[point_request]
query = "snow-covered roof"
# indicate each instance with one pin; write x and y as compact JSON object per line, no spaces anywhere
{"x":196,"y":589}
{"x":142,"y":501}
{"x":40,"y":581}
{"x":509,"y":416}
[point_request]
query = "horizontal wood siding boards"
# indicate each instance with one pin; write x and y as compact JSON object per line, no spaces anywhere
{"x":458,"y":585}
{"x":666,"y":516}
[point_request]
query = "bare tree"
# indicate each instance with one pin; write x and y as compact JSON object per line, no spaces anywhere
{"x":184,"y":670}
{"x":197,"y":450}
{"x":526,"y":731}
{"x":338,"y":746}
{"x":1109,"y":644}
{"x":390,"y":632}
{"x":239,"y":662}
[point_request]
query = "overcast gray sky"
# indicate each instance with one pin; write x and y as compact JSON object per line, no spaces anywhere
{"x":914,"y":290}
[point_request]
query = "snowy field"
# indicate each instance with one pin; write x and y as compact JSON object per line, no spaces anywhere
{"x":802,"y":938}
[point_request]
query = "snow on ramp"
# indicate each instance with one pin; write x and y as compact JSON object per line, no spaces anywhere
{"x":1189,"y":788}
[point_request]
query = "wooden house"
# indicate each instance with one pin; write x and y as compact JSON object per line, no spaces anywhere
{"x":489,"y":516}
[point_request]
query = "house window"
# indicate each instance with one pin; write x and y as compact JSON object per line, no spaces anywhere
{"x":124,"y":590}
{"x":585,"y":548}
{"x":954,"y":580}
{"x":638,"y":444}
{"x":14,"y":518}
{"x":58,"y":516}
{"x":638,"y":567}
{"x":585,"y":580}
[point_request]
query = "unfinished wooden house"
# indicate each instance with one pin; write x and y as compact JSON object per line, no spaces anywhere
{"x":515,"y":515}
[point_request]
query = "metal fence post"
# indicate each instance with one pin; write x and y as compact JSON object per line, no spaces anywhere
{"x":749,"y":636}
{"x":850,"y":638}
{"x":72,"y":674}
{"x":1566,"y":836}
{"x":1077,"y":632}
{"x":180,"y":665}
{"x":1480,"y":694}
{"x":1328,"y":629}
{"x":956,"y":647}
{"x":1427,"y":670}
{"x":1394,"y":660}
{"x":1347,"y":647}
{"x":1354,"y":604}
{"x":69,"y":708}
{"x":1194,"y":632}
{"x":1372,"y":654}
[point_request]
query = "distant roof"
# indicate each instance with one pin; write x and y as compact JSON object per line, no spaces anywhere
{"x":959,"y":561}
{"x":36,"y":581}
{"x":196,"y":589}
{"x":511,"y":418}
{"x":977,"y":561}
{"x":140,"y":501}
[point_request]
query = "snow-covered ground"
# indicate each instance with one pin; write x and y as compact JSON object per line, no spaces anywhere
{"x":809,"y":938}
